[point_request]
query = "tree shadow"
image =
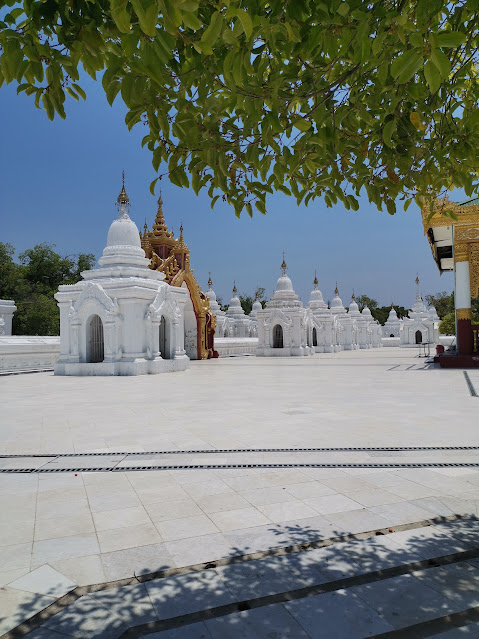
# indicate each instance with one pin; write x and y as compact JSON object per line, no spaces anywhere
{"x":342,"y":586}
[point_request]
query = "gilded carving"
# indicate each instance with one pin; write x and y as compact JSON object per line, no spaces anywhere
{"x":461,"y":252}
{"x":464,"y":313}
{"x":474,"y":269}
{"x":466,"y":234}
{"x":172,"y":257}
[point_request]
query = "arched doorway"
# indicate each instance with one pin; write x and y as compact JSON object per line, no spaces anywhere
{"x":226,"y":333}
{"x":278,"y":336}
{"x":164,"y":341}
{"x":418,"y":337}
{"x":392,"y":335}
{"x":315,"y":337}
{"x":95,"y":343}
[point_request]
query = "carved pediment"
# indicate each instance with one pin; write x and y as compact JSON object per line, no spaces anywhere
{"x":94,"y":292}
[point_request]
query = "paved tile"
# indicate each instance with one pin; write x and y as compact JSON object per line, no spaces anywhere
{"x":356,"y":521}
{"x":18,"y":605}
{"x":434,"y":505}
{"x":311,"y":529}
{"x":404,"y":600}
{"x":470,"y":631}
{"x":163,"y":511}
{"x":131,"y":604}
{"x":238,"y":519}
{"x":203,"y":489}
{"x":458,"y":582}
{"x":413,"y":491}
{"x":84,"y":571}
{"x":401,"y":513}
{"x":260,"y":577}
{"x":63,"y":527}
{"x":347,"y":484}
{"x":15,"y":557}
{"x":287,"y":511}
{"x":308,"y":489}
{"x":129,"y":537}
{"x":184,"y":594}
{"x":10,"y":575}
{"x":262,"y":496}
{"x":186,"y":527}
{"x":44,"y":581}
{"x":430,"y":541}
{"x":87,"y":618}
{"x":136,"y":561}
{"x":257,"y":539}
{"x":337,"y":615}
{"x":110,"y":519}
{"x":374,"y":497}
{"x":333,"y":562}
{"x":113,"y":501}
{"x":14,"y":532}
{"x":57,"y":509}
{"x":260,"y":623}
{"x":204,"y":549}
{"x":332,"y":504}
{"x":193,"y":631}
{"x":222,"y":502}
{"x":64,"y":548}
{"x":285,"y":477}
{"x":161,"y":494}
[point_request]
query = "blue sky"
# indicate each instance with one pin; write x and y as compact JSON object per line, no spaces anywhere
{"x":60,"y":181}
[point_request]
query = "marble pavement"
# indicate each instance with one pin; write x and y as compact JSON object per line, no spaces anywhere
{"x":223,"y":527}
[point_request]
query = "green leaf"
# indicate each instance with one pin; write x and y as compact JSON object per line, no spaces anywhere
{"x":433,"y":77}
{"x":70,"y":91}
{"x":120,"y":15}
{"x":48,"y":106}
{"x":389,"y":130}
{"x":246,"y":23}
{"x":343,"y":9}
{"x":450,"y":39}
{"x":302,"y":124}
{"x":112,"y":91}
{"x":411,"y":66}
{"x":80,"y":91}
{"x":191,"y":21}
{"x":147,"y":13}
{"x":441,"y":62}
{"x":213,"y":31}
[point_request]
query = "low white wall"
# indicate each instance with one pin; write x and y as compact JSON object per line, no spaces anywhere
{"x":229,"y":346}
{"x":24,"y":352}
{"x":389,"y":341}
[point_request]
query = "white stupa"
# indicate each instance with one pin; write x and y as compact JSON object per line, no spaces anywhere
{"x":284,"y":326}
{"x":392,"y":324}
{"x":122,"y":318}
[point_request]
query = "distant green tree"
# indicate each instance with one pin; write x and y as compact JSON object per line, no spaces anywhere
{"x":33,"y":283}
{"x":247,"y":301}
{"x":448,"y":324}
{"x":441,"y":301}
{"x":382,"y":313}
{"x":364,"y":300}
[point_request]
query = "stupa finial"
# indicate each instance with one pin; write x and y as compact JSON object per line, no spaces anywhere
{"x":315,"y":281}
{"x":353,"y":296}
{"x":123,"y":200}
{"x":417,"y":279}
{"x":284,"y":267}
{"x":235,"y":290}
{"x":210,"y":283}
{"x":336,"y":291}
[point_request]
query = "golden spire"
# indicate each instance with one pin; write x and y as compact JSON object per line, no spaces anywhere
{"x":181,"y":241}
{"x":123,"y":200}
{"x":234,"y":289}
{"x":417,"y":279}
{"x":145,"y":227}
{"x":256,"y":295}
{"x":284,"y":266}
{"x":315,"y":281}
{"x":159,"y":226}
{"x":354,"y":296}
{"x":210,"y":283}
{"x":336,"y":292}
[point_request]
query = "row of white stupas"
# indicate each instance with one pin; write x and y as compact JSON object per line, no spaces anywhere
{"x":233,"y":322}
{"x":284,"y":327}
{"x":421,"y":325}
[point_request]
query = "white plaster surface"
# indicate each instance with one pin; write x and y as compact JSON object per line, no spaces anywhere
{"x":92,"y":527}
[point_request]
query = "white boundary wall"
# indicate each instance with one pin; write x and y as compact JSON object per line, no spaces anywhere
{"x":25,"y":352}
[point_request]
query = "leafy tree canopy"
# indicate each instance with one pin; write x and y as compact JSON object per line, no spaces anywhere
{"x":247,"y":301}
{"x":443,"y":302}
{"x":247,"y":97}
{"x":33,"y":283}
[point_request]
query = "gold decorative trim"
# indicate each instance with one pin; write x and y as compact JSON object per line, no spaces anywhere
{"x":474,"y":269}
{"x":469,"y":234}
{"x":464,"y":314}
{"x":461,"y":252}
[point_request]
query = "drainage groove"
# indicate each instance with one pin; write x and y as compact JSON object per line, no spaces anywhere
{"x":251,"y":450}
{"x":470,"y":385}
{"x":130,"y":469}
